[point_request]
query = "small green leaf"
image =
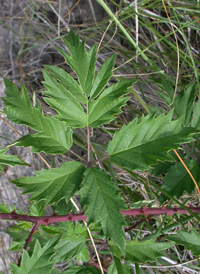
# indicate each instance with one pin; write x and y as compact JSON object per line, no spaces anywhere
{"x":37,"y":209}
{"x":141,"y":252}
{"x":69,"y":247}
{"x":166,"y":87}
{"x":69,"y":109}
{"x":4,"y":208}
{"x":53,"y":137}
{"x":83,"y":255}
{"x":18,"y":106}
{"x":81,"y":61}
{"x":140,"y":145}
{"x":81,"y":230}
{"x":56,"y":138}
{"x":102,"y":110}
{"x":178,"y":180}
{"x":54,"y":184}
{"x":101,"y":196}
{"x":39,"y":262}
{"x":48,"y":231}
{"x":63,"y":208}
{"x":102,"y":77}
{"x":19,"y":236}
{"x":10,"y":160}
{"x":68,"y":228}
{"x":190,"y":240}
{"x":67,"y":81}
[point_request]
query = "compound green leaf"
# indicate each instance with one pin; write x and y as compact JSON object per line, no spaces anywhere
{"x":9,"y":160}
{"x":67,"y":81}
{"x":178,"y":180}
{"x":64,"y":95}
{"x":190,"y":240}
{"x":102,"y":77}
{"x":69,"y":247}
{"x":109,"y":103}
{"x":81,"y":61}
{"x":141,"y":252}
{"x":64,"y":103}
{"x":54,"y":184}
{"x":101,"y":197}
{"x":140,"y":145}
{"x":40,"y":261}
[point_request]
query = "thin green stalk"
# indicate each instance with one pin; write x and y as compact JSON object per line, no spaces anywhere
{"x":138,"y":232}
{"x":53,"y":161}
{"x":137,"y":268}
{"x":118,"y":265}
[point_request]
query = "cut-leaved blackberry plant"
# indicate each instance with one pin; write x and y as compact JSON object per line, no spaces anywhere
{"x":89,"y":207}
